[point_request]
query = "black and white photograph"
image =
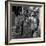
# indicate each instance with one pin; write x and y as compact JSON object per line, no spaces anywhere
{"x":24,"y":22}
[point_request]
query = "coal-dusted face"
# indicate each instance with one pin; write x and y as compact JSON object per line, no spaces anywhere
{"x":33,"y":23}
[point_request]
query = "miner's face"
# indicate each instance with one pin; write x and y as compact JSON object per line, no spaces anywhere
{"x":33,"y":23}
